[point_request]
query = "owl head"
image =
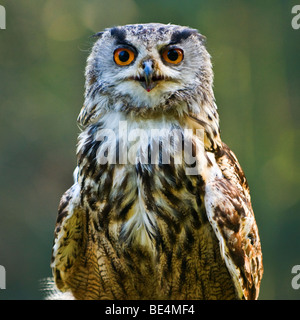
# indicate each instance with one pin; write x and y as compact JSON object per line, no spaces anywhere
{"x":146,"y":67}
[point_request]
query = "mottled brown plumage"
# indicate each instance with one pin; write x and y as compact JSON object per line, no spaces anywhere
{"x":147,"y":229}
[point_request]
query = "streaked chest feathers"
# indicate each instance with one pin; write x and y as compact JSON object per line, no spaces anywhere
{"x":141,"y":180}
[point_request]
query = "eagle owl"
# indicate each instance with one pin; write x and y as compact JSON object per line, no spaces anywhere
{"x":160,"y":207}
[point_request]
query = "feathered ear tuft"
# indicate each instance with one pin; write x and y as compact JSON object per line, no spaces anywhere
{"x":97,"y":35}
{"x":202,"y":38}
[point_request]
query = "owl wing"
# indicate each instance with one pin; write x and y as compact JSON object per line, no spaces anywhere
{"x":229,"y":211}
{"x":68,"y":237}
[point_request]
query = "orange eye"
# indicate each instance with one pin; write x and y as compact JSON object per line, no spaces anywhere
{"x":173,"y":55}
{"x":123,"y":56}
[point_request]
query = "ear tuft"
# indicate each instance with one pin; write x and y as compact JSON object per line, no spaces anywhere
{"x":202,"y":38}
{"x":97,"y":35}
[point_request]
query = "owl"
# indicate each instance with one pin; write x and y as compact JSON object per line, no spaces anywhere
{"x":160,"y":207}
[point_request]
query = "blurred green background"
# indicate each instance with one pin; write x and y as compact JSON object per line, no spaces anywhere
{"x":43,"y":51}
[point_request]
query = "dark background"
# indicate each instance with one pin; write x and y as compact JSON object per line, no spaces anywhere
{"x":255,"y":53}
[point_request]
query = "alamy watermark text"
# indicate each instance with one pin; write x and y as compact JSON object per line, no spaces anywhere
{"x":2,"y":18}
{"x":296,"y":19}
{"x":2,"y":278}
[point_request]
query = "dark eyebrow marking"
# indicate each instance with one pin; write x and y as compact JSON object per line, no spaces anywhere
{"x":118,"y":34}
{"x":179,"y":36}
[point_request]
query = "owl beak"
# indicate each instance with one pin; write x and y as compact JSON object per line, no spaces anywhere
{"x":148,"y":74}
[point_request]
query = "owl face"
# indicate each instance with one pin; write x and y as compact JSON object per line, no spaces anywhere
{"x":144,"y":65}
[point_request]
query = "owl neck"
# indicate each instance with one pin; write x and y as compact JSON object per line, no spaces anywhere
{"x":179,"y":109}
{"x":144,"y":122}
{"x":197,"y":101}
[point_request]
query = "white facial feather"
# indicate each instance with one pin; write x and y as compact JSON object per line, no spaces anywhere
{"x":107,"y":79}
